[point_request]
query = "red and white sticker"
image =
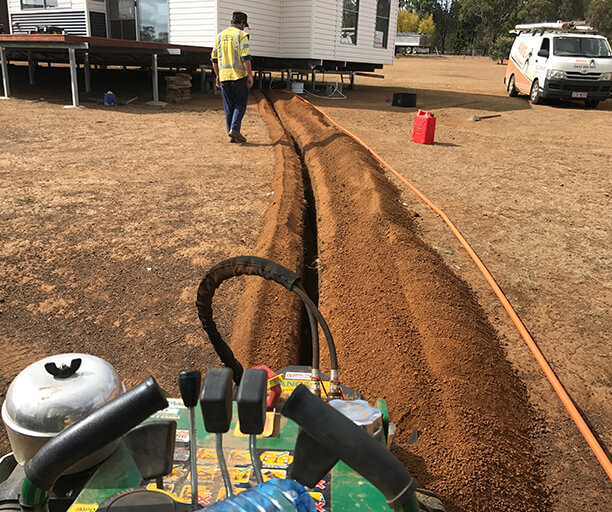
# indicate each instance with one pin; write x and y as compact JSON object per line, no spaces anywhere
{"x":297,"y":376}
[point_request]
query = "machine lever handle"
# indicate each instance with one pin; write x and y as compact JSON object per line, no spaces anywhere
{"x":189,"y":385}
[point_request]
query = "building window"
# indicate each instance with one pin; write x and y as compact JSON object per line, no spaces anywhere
{"x":39,"y":4}
{"x":381,"y":32}
{"x":350,"y":18}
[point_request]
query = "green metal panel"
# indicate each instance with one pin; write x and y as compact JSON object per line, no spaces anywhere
{"x":342,"y":490}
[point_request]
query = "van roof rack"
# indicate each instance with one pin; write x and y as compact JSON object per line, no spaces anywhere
{"x":559,"y":26}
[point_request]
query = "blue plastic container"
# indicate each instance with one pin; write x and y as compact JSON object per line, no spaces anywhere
{"x":276,"y":495}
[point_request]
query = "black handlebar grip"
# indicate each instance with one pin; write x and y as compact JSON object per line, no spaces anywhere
{"x":93,"y":432}
{"x":216,"y":400}
{"x":339,"y":435}
{"x":251,"y":401}
{"x":189,"y":384}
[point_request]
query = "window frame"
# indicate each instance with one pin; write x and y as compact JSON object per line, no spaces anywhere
{"x":354,"y":11}
{"x":385,"y":43}
{"x":44,"y":5}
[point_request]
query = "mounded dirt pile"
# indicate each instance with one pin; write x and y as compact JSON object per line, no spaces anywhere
{"x":408,"y":330}
{"x":267,"y":321}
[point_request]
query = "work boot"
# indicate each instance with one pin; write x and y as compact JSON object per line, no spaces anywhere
{"x":237,"y":136}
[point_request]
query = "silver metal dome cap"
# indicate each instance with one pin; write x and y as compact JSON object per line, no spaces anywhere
{"x":362,"y":414}
{"x":53,"y":393}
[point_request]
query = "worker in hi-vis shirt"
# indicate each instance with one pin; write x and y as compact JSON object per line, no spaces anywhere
{"x":231,"y":60}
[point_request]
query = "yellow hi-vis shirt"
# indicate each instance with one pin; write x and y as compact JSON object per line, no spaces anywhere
{"x":230,"y":51}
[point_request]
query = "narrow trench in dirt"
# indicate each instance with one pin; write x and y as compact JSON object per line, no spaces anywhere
{"x":311,"y":262}
{"x":310,"y":270}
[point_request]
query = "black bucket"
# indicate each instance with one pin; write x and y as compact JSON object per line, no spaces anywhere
{"x":404,"y":99}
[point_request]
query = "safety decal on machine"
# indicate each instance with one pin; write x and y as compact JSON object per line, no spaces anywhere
{"x":275,"y":464}
{"x":82,"y":507}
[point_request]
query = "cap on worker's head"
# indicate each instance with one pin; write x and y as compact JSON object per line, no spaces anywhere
{"x":239,"y":17}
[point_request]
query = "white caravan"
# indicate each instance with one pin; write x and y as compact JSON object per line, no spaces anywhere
{"x":559,"y":61}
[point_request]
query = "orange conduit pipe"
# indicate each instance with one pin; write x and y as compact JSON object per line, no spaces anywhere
{"x":548,"y":371}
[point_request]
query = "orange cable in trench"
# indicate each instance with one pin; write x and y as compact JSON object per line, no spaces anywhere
{"x":548,"y":371}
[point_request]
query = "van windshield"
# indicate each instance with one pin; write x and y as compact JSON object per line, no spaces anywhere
{"x":581,"y":47}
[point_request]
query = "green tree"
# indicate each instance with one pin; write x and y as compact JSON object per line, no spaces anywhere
{"x":495,"y":16}
{"x":407,"y":21}
{"x":501,"y":48}
{"x":568,"y":10}
{"x":427,"y":26}
{"x":421,"y":7}
{"x":537,"y":11}
{"x":446,"y":16}
{"x":599,"y":16}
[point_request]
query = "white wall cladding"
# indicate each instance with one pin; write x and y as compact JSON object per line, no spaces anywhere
{"x":72,"y":22}
{"x":300,"y":29}
{"x":96,"y":5}
{"x":296,"y":28}
{"x":264,"y":21}
{"x":15,"y":7}
{"x":192,"y":22}
{"x":328,"y":24}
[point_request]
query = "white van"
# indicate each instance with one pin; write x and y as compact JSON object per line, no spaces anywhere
{"x":559,"y":60}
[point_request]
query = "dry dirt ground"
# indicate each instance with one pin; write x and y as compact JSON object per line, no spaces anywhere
{"x":111,"y":217}
{"x":530,"y":190}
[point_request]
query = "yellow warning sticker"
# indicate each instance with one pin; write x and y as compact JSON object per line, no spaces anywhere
{"x":237,"y":490}
{"x":269,"y":474}
{"x":277,"y":379}
{"x":206,"y":455}
{"x":240,"y":475}
{"x":275,"y":458}
{"x":239,"y":458}
{"x":82,"y":507}
{"x":207,"y":472}
{"x":204,"y":495}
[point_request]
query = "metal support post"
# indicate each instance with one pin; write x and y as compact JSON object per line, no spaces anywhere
{"x":87,"y":72}
{"x":289,"y":79}
{"x":73,"y":77}
{"x":155,"y":79}
{"x":32,"y":64}
{"x":314,"y":79}
{"x":5,"y":77}
{"x":352,"y":80}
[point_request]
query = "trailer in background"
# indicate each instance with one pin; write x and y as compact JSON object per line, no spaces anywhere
{"x":412,"y":42}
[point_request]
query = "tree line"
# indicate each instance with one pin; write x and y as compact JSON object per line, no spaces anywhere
{"x":483,"y":26}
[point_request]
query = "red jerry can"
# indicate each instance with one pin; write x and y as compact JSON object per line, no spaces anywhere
{"x":424,"y":127}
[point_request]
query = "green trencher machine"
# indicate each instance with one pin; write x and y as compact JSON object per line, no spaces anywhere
{"x":252,"y":440}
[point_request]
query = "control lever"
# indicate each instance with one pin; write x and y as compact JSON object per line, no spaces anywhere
{"x":189,"y":385}
{"x":328,"y":434}
{"x":216,"y":403}
{"x":151,"y":445}
{"x":252,"y":411}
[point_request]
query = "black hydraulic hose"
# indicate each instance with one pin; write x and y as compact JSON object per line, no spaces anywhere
{"x":254,"y":265}
{"x":313,"y":310}
{"x":101,"y":427}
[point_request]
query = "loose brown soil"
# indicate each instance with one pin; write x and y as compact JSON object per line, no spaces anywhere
{"x":110,"y":218}
{"x":530,"y":190}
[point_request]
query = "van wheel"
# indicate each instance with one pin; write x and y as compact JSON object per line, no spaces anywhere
{"x":512,"y":90}
{"x":534,"y":95}
{"x":591,"y":103}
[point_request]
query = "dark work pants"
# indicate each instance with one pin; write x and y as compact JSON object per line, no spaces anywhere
{"x":235,"y":97}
